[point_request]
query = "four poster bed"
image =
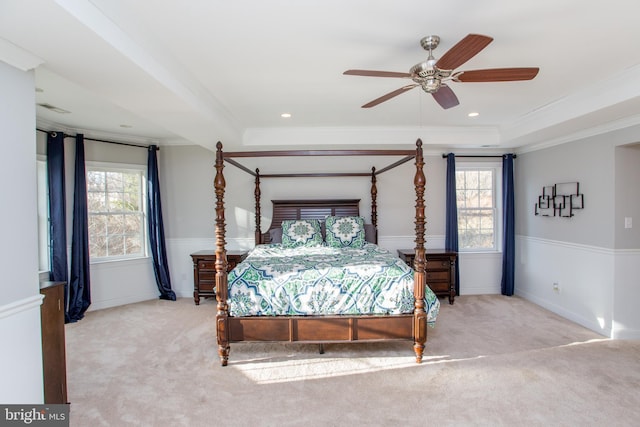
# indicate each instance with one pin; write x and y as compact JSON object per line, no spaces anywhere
{"x":317,"y":274}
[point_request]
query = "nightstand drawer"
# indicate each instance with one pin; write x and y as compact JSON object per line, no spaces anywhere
{"x":438,"y":287}
{"x":206,"y":275}
{"x":207,"y":285}
{"x":207,"y":265}
{"x":438,"y":264}
{"x":438,"y":275}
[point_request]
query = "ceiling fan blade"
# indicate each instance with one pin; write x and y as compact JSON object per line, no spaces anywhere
{"x":497,"y":75}
{"x":371,"y":73}
{"x":463,"y":51}
{"x":388,"y":96}
{"x":445,"y":97}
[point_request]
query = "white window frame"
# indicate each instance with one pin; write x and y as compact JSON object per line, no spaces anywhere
{"x":44,"y":239}
{"x":123,"y":167}
{"x":496,"y":167}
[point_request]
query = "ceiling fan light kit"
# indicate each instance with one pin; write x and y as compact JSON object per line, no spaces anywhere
{"x":432,"y":74}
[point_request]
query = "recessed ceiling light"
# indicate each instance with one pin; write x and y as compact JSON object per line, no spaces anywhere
{"x":473,"y":114}
{"x":285,"y":115}
{"x":126,"y":126}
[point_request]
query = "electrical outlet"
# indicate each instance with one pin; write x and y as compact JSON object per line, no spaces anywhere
{"x":556,"y":287}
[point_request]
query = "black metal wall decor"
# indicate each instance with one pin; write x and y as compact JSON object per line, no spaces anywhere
{"x":560,"y":200}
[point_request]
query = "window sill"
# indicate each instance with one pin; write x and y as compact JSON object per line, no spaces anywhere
{"x":119,"y":260}
{"x":479,"y":252}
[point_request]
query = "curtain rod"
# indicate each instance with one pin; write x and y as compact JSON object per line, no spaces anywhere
{"x":444,"y":156}
{"x":66,"y":135}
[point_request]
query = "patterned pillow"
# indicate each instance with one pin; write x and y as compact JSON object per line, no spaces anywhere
{"x":301,"y":232}
{"x":345,"y":231}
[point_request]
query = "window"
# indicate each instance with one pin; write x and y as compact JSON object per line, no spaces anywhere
{"x":43,"y":216}
{"x":478,"y":207}
{"x":115,"y":199}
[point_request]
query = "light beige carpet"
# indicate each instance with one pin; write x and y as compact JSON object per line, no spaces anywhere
{"x":490,"y":361}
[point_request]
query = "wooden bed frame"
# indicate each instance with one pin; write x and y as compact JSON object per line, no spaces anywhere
{"x":319,"y":329}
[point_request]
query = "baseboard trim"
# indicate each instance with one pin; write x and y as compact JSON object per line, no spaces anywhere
{"x":607,"y":332}
{"x":116,"y":302}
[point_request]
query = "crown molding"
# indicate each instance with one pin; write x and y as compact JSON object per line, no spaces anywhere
{"x":107,"y":136}
{"x":18,"y":57}
{"x":473,"y":137}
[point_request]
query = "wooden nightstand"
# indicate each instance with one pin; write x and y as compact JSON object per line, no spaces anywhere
{"x":440,"y":270}
{"x":204,"y":271}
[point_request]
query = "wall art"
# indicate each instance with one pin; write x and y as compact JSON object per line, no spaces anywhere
{"x":560,"y":200}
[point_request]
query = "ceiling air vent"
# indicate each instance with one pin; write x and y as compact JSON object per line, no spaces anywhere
{"x":54,"y":108}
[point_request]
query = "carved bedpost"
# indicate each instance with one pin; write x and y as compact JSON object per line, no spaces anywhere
{"x":222,"y":316}
{"x":374,"y":203}
{"x":419,"y":314}
{"x":257,"y":195}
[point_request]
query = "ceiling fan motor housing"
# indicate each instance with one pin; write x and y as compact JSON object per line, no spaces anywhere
{"x":428,"y":76}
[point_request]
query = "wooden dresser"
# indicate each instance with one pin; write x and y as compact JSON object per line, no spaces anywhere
{"x":54,"y":363}
{"x":204,"y":271}
{"x":441,"y":270}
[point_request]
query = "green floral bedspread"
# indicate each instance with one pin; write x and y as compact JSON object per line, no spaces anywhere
{"x":321,"y":280}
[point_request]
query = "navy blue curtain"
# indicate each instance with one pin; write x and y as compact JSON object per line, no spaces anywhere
{"x":451,"y":232}
{"x":79,"y":280}
{"x":508,"y":226}
{"x":156,"y":228}
{"x":57,"y":210}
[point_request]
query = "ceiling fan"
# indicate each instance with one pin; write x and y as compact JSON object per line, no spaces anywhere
{"x":432,"y":74}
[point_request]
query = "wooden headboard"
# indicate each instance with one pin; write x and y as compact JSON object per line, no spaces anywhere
{"x":309,"y":209}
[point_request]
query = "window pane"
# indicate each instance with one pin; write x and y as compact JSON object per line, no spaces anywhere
{"x":116,"y":245}
{"x":95,"y":202}
{"x":486,"y":220}
{"x":485,"y":180}
{"x":97,"y":225}
{"x":95,"y":181}
{"x":115,"y":202}
{"x":115,"y":224}
{"x":114,"y":181}
{"x":472,"y":179}
{"x":460,"y":181}
{"x":97,"y":246}
{"x":131,"y":201}
{"x":460,"y":200}
{"x":133,"y":246}
{"x":472,"y":198}
{"x":131,"y":183}
{"x":485,"y":198}
{"x":132,"y":224}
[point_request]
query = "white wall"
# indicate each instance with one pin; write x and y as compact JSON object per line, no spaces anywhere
{"x":627,"y":243}
{"x":593,"y":261}
{"x":21,"y":354}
